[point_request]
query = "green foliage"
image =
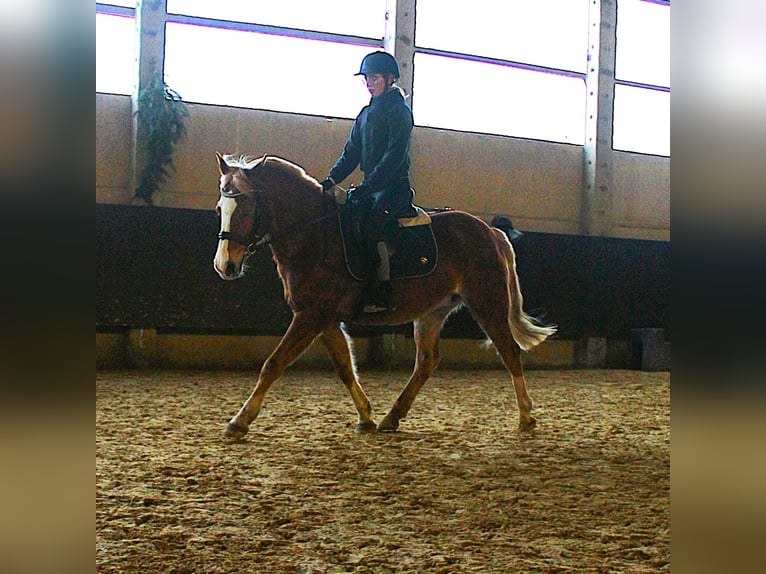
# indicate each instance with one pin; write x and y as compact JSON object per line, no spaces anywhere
{"x":162,"y":122}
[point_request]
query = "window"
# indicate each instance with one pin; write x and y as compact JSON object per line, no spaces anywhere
{"x":294,"y":55}
{"x":349,"y":17}
{"x":642,"y":77}
{"x":253,"y":70}
{"x":115,"y":47}
{"x":551,"y":33}
{"x":641,"y":120}
{"x":123,"y":3}
{"x":482,"y":97}
{"x":511,"y":68}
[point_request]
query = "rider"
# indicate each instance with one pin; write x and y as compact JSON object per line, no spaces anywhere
{"x":379,"y":143}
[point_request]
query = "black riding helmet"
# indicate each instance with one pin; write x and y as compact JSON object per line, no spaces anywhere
{"x":379,"y":63}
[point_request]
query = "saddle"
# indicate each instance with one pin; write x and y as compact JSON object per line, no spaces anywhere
{"x":411,"y":243}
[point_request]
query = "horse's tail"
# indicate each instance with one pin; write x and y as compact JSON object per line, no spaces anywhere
{"x":526,"y":330}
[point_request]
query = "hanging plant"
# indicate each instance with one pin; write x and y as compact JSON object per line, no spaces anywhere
{"x":162,"y":121}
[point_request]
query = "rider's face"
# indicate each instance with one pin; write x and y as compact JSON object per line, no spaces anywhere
{"x":377,"y":84}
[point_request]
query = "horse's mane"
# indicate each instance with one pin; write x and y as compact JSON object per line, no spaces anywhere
{"x":242,"y":161}
{"x":245,"y":161}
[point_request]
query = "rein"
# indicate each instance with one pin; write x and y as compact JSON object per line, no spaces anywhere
{"x":255,"y":241}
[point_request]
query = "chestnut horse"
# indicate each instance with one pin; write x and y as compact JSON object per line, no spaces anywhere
{"x":269,"y":200}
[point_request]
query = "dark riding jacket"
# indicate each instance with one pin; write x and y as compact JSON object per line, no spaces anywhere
{"x":379,"y":143}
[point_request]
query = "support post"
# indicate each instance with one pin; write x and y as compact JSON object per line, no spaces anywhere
{"x":597,"y":213}
{"x":151,"y":17}
{"x":399,"y":39}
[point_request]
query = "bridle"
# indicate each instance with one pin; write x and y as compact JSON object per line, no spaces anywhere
{"x":254,"y":241}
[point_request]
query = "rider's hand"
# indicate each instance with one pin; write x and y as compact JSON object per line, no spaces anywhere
{"x":331,"y":189}
{"x":327,"y":184}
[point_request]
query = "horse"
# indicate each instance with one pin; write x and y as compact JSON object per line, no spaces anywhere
{"x":269,"y":200}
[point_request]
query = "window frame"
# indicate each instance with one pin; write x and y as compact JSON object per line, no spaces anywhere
{"x":115,"y":10}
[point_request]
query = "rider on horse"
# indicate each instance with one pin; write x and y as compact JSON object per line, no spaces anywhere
{"x":379,"y":144}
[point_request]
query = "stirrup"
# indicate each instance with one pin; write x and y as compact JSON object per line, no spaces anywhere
{"x":380,"y":300}
{"x":377,"y":307}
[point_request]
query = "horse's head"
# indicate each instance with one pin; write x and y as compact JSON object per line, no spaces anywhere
{"x":239,"y":211}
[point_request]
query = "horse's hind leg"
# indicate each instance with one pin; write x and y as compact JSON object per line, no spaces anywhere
{"x":494,"y":321}
{"x":337,"y":346}
{"x":427,"y":331}
{"x":510,"y":353}
{"x":496,"y":327}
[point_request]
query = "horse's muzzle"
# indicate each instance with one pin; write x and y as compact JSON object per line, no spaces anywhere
{"x":228,"y":270}
{"x":231,"y":270}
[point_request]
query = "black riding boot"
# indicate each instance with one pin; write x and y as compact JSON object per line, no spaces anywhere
{"x":380,"y":298}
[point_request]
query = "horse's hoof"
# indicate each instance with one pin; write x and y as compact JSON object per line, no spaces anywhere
{"x":388,"y":424}
{"x":235,"y":431}
{"x":368,"y":426}
{"x":528,"y":425}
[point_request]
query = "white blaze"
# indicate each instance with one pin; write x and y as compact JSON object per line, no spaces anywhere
{"x":226,"y":205}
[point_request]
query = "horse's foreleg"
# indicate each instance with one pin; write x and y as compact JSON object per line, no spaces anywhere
{"x":297,"y":339}
{"x":427,"y":342}
{"x":337,"y":346}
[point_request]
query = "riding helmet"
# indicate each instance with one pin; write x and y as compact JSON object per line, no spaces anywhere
{"x":379,"y":63}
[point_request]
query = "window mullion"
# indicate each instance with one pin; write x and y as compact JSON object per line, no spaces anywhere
{"x":112,"y":10}
{"x":500,"y":62}
{"x":642,"y":85}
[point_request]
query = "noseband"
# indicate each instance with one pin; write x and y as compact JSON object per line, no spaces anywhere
{"x":254,"y":241}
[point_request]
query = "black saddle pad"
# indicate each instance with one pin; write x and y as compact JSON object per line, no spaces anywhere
{"x":413,"y":250}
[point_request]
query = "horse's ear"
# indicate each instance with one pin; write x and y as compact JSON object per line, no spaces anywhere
{"x":223,"y":167}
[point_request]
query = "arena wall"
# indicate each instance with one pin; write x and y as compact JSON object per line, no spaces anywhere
{"x":159,"y":303}
{"x":538,"y":184}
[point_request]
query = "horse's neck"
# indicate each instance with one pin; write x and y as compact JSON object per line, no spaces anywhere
{"x":297,"y":220}
{"x":295,"y":212}
{"x":291,"y":198}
